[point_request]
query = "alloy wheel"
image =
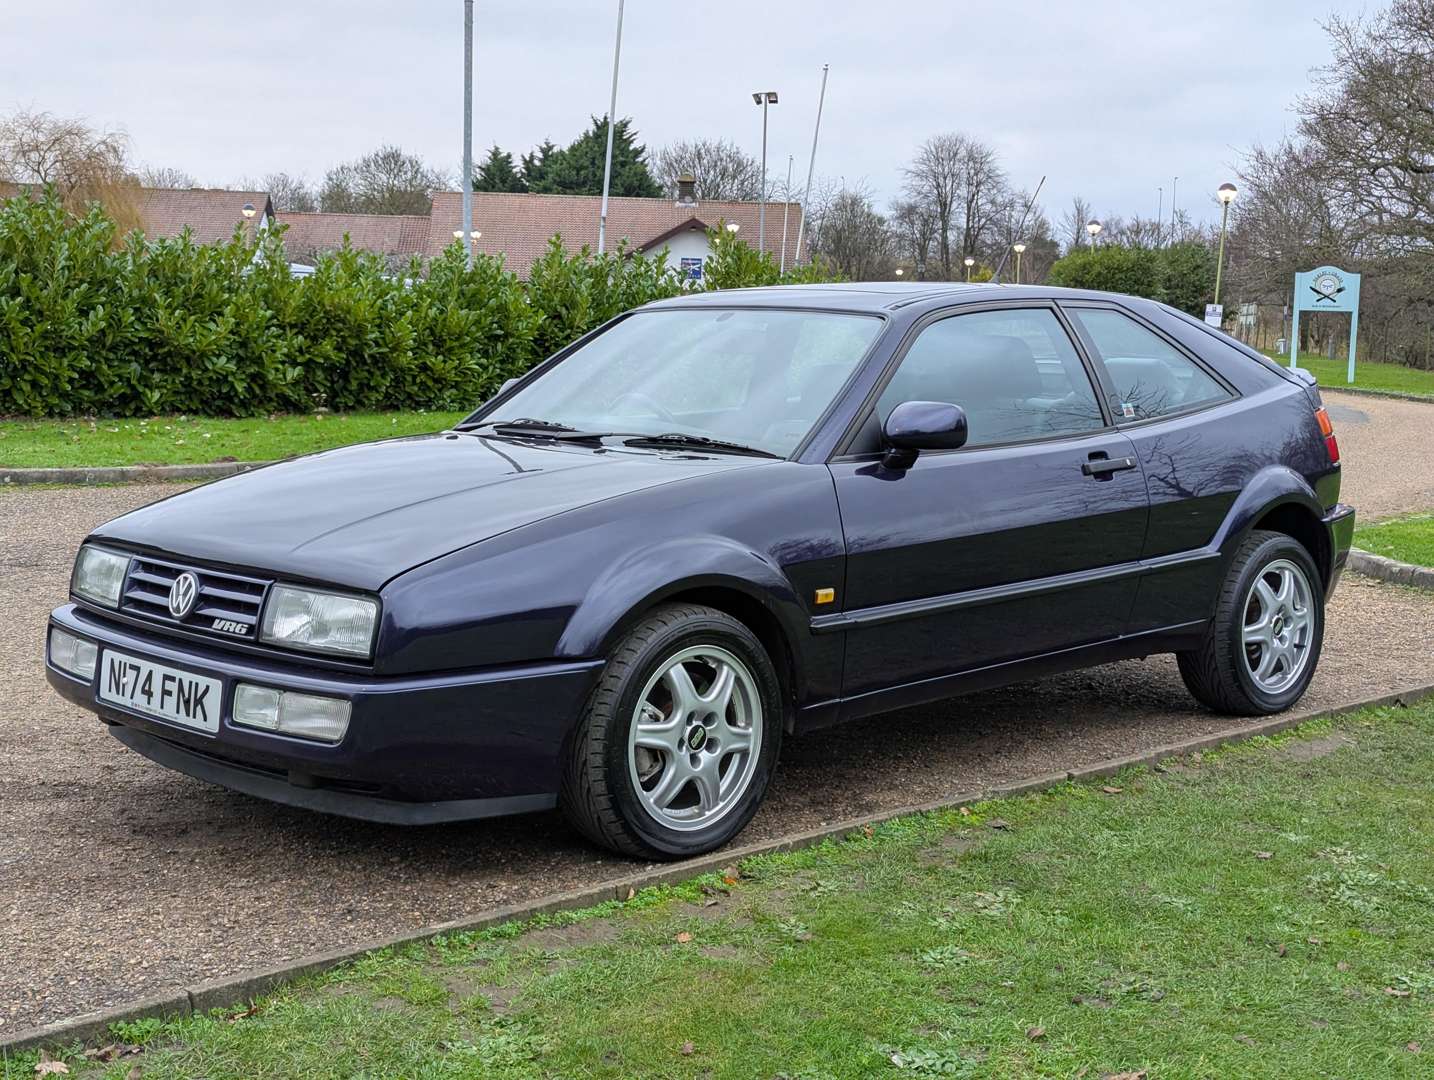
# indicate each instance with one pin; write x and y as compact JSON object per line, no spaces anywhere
{"x":695,"y":738}
{"x":1278,"y":626}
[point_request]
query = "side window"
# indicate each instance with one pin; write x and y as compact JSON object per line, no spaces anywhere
{"x":1015,"y":373}
{"x":1150,"y":376}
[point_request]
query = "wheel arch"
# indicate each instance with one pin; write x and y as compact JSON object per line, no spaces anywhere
{"x":1280,"y":500}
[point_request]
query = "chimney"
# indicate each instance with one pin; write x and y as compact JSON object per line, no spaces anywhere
{"x":686,"y":190}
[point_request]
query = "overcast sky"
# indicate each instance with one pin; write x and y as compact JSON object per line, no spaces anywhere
{"x":1109,"y":98}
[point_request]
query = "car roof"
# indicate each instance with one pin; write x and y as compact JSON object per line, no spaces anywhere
{"x":875,"y":296}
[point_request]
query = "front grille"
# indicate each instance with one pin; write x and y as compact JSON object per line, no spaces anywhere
{"x":227,"y":605}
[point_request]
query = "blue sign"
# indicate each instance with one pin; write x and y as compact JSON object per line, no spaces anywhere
{"x":1326,"y":288}
{"x":692,"y":269}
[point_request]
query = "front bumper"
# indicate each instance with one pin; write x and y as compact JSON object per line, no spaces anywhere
{"x":418,"y":749}
{"x":1339,"y":526}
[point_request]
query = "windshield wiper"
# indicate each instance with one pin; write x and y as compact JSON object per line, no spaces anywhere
{"x":525,"y":422}
{"x":701,"y":442}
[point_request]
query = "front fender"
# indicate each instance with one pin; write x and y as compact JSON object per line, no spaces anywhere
{"x":646,"y":577}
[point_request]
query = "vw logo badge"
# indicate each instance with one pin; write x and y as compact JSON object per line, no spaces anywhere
{"x":182,"y":595}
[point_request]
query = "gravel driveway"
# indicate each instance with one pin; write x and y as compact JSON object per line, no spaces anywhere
{"x":1387,"y":446}
{"x":120,"y":879}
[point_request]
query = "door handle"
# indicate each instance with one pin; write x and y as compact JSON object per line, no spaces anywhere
{"x":1106,"y":466}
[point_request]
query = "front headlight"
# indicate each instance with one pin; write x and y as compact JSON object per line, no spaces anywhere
{"x":319,"y":621}
{"x":99,"y":575}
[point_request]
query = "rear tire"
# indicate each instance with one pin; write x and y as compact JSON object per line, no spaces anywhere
{"x":1263,"y":644}
{"x":679,"y":738}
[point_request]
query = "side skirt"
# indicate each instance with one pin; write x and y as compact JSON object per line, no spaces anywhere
{"x":1163,"y":640}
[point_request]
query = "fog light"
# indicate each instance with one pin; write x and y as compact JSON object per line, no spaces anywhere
{"x":73,"y":654}
{"x":305,"y":716}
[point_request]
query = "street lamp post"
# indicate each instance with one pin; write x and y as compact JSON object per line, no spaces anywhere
{"x":611,"y":123}
{"x":1092,"y":229}
{"x":1019,"y":248}
{"x":970,"y":262}
{"x":1226,"y":195}
{"x":763,"y":98}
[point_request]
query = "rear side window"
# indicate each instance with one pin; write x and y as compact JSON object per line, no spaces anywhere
{"x":1015,"y":372}
{"x":1150,"y":376}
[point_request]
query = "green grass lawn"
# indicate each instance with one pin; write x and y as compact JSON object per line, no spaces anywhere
{"x":186,"y":440}
{"x":1367,"y":374}
{"x":1266,"y":911}
{"x":1409,"y":539}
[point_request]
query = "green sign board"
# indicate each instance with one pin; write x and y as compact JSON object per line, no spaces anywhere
{"x":1326,"y":288}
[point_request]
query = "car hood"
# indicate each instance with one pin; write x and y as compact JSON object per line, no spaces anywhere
{"x":361,"y":515}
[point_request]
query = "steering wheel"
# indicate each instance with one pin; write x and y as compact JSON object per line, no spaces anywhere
{"x":642,"y":399}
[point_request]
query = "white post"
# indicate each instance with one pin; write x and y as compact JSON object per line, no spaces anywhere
{"x":786,"y":205}
{"x":811,"y":166}
{"x":468,"y":132}
{"x":762,"y":206}
{"x":611,"y":123}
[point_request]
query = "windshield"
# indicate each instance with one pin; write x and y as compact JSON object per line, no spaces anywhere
{"x":758,"y":378}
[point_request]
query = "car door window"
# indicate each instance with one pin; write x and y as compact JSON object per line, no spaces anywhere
{"x":1015,"y":372}
{"x":1148,"y":375}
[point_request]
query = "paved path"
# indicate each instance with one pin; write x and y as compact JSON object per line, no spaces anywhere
{"x":120,"y":879}
{"x":1387,"y":446}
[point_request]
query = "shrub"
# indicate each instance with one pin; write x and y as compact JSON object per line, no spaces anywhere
{"x":149,"y":327}
{"x":1182,"y":275}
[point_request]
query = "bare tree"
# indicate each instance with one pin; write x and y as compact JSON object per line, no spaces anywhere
{"x":81,"y":164}
{"x":162,"y":176}
{"x":1074,"y":221}
{"x":853,"y":237}
{"x":914,"y":226}
{"x":721,"y":168}
{"x":932,"y":181}
{"x":387,"y":181}
{"x":289,"y":193}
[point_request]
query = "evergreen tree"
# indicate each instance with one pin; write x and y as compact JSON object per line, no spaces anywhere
{"x":577,"y":169}
{"x":498,"y":173}
{"x":538,"y":164}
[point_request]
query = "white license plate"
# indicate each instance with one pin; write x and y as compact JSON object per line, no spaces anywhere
{"x":163,"y":692}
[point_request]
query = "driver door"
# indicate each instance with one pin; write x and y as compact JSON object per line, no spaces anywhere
{"x":1018,"y":544}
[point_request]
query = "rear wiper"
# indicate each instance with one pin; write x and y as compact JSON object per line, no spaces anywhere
{"x":702,"y":442}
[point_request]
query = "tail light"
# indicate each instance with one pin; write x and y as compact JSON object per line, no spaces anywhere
{"x":1326,"y":429}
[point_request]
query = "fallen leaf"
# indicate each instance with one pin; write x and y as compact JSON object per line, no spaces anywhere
{"x":1111,"y":789}
{"x":1314,"y":941}
{"x":688,"y":1049}
{"x":1036,"y":1032}
{"x":134,"y":1073}
{"x":1246,"y":1039}
{"x":710,"y":901}
{"x":103,"y":1053}
{"x":48,"y":1066}
{"x":1392,"y":992}
{"x":1139,"y":1074}
{"x":631,"y":893}
{"x":868,"y":831}
{"x":683,"y":938}
{"x":1264,"y":854}
{"x":1282,"y":951}
{"x":1082,"y":1071}
{"x":965,"y":811}
{"x":998,"y":823}
{"x":730,"y":875}
{"x":1341,"y":966}
{"x":1414,"y":1048}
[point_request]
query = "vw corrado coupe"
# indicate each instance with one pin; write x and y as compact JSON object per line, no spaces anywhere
{"x":711,"y":522}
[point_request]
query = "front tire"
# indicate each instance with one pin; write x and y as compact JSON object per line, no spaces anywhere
{"x":677,"y":744}
{"x":1263,"y":644}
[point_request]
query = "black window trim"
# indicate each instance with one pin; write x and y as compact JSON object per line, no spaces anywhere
{"x":1107,"y":384}
{"x":843,"y":453}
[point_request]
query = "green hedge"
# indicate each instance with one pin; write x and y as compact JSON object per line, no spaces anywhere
{"x":93,"y":325}
{"x":1181,"y":275}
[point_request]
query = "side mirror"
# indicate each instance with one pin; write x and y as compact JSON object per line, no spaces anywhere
{"x":914,"y":426}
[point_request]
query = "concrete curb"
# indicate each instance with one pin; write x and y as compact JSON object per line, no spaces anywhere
{"x":1360,"y":391}
{"x":242,"y":988}
{"x":1392,"y":570}
{"x":126,"y":474}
